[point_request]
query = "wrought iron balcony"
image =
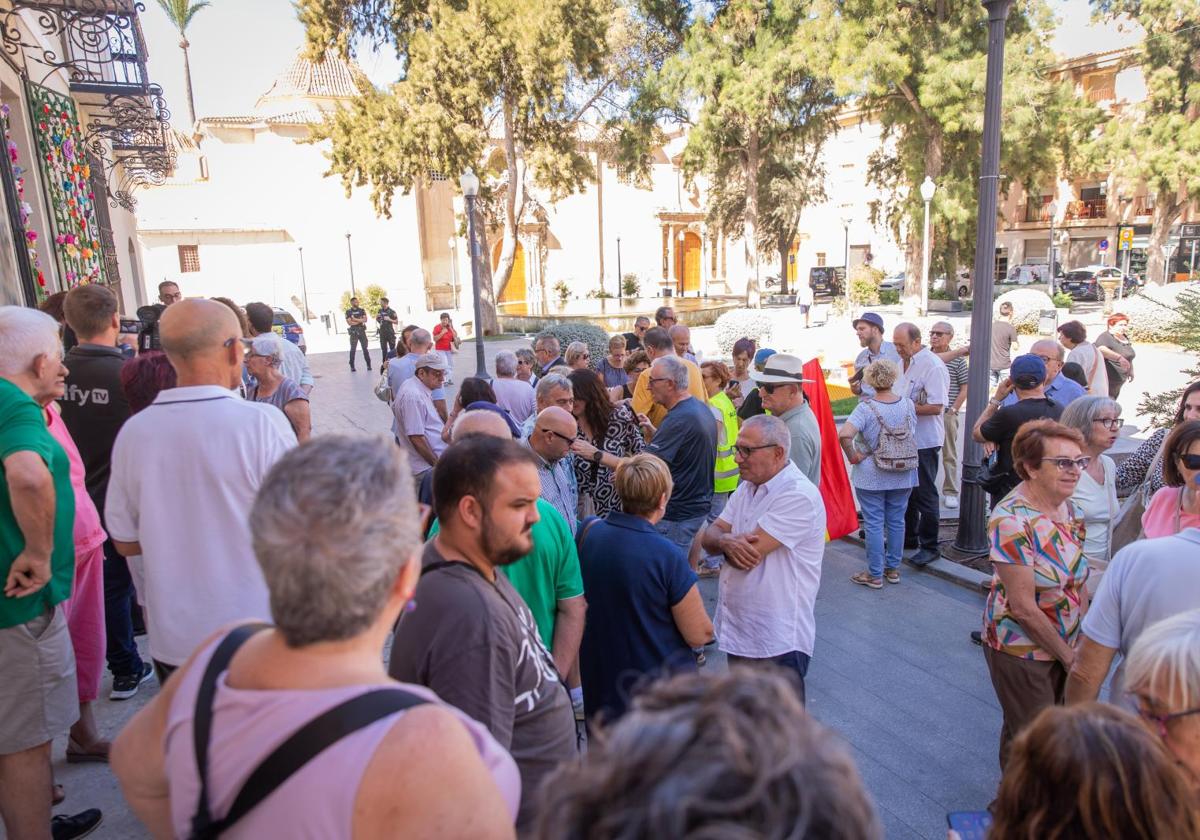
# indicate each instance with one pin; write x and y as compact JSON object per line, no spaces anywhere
{"x":1088,"y":208}
{"x":1036,"y":211}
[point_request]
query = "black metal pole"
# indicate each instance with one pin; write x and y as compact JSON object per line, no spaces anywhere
{"x":303,"y":287}
{"x":350,"y":256}
{"x":480,"y":367}
{"x":972,"y":517}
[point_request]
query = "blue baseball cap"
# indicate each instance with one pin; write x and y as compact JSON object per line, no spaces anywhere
{"x":870,"y":318}
{"x":760,"y":358}
{"x":1027,"y":371}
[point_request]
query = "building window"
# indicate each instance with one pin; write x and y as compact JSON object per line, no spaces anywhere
{"x":189,"y":258}
{"x":820,"y":258}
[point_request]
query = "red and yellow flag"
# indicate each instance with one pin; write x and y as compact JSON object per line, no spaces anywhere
{"x":841,"y":518}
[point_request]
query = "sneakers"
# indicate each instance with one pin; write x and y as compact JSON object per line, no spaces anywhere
{"x":952,"y":502}
{"x":82,"y":824}
{"x":126,"y":685}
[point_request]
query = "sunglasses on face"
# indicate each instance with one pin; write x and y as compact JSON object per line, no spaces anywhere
{"x":1070,"y":464}
{"x":561,"y":436}
{"x":939,"y":332}
{"x":1192,"y":462}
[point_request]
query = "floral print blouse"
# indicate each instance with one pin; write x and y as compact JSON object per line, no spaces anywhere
{"x":623,"y":439}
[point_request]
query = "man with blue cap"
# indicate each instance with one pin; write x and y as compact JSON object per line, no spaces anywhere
{"x":869,"y":327}
{"x":998,"y":424}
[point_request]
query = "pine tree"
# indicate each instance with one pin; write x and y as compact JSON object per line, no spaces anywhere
{"x":1186,"y":333}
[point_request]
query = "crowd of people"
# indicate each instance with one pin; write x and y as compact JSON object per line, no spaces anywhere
{"x":529,"y":552}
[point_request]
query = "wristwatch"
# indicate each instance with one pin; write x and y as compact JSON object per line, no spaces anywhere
{"x":994,"y":403}
{"x":597,"y":456}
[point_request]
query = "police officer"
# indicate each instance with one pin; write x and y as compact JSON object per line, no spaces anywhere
{"x":356,"y":320}
{"x":387,"y":320}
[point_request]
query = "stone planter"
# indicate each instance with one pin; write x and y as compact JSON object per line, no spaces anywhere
{"x":945,"y":306}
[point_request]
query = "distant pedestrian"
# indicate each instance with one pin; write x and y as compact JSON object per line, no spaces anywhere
{"x":1116,"y":347}
{"x":512,"y":394}
{"x":356,"y":321}
{"x":781,"y":384}
{"x":1073,"y":335}
{"x":772,"y":534}
{"x":664,"y":317}
{"x":869,"y":329}
{"x":612,"y":366}
{"x":264,"y":360}
{"x":387,"y":321}
{"x":882,"y":493}
{"x":1004,"y":338}
{"x":416,"y":425}
{"x":940,"y":336}
{"x":446,"y":341}
{"x":294,"y":365}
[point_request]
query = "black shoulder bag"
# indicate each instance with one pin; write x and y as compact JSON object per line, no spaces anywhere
{"x":302,"y":747}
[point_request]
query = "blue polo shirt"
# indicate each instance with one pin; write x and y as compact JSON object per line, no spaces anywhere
{"x":1062,"y":390}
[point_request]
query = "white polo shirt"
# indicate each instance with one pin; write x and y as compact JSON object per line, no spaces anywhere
{"x":926,"y":382}
{"x":413,"y":413}
{"x":185,"y":472}
{"x":768,"y":611}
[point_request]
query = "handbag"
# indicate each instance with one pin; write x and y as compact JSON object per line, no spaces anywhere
{"x":383,"y":390}
{"x":995,"y":482}
{"x":1127,"y":526}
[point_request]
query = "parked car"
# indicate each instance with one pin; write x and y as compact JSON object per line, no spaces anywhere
{"x":827,"y":280}
{"x":892,"y":283}
{"x":1084,"y":283}
{"x":964,"y":283}
{"x":285,"y":325}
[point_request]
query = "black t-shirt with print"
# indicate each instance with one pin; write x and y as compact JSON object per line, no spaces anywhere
{"x":357,"y":312}
{"x":386,"y":327}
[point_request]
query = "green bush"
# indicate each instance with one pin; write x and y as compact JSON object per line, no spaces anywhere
{"x":889,"y":297}
{"x":939,"y":294}
{"x":1170,"y":313}
{"x":594,"y":337}
{"x":1062,"y":300}
{"x":864,"y":285}
{"x":368,"y":298}
{"x":630,"y":285}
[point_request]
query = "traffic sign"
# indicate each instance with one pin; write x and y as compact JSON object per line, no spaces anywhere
{"x":1125,"y":239}
{"x":1103,"y":246}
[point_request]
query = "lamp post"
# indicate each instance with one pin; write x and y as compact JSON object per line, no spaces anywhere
{"x":350,"y":257}
{"x":620,"y":276}
{"x":928,"y":188}
{"x":303,"y":285}
{"x":846,"y":263}
{"x":470,"y":190}
{"x":452,"y":242}
{"x":1053,"y":208}
{"x":972,"y":530}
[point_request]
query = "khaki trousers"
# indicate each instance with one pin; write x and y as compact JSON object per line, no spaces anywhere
{"x":950,"y":455}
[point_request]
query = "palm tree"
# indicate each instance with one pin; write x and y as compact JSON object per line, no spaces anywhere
{"x":181,"y":13}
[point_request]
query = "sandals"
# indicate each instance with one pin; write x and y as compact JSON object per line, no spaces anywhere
{"x":864,"y":579}
{"x":76,"y":754}
{"x":891,"y":575}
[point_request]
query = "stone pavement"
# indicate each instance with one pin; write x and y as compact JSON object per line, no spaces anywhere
{"x":893,"y":672}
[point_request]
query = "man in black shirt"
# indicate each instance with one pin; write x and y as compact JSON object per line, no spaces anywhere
{"x":356,"y":320}
{"x":998,"y":425}
{"x":94,"y":409}
{"x":633,"y":340}
{"x":387,"y":320}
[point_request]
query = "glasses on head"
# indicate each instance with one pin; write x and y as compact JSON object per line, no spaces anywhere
{"x":747,"y":451}
{"x":1070,"y":464}
{"x":1189,"y":460}
{"x":1161,"y":722}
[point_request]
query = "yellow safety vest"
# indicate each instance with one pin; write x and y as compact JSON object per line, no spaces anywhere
{"x":726,"y":478}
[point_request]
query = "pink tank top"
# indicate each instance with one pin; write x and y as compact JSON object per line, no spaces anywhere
{"x":89,"y":532}
{"x":318,"y":800}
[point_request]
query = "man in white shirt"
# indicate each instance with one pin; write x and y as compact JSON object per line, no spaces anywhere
{"x":772,"y":534}
{"x":513,"y":395}
{"x":416,"y":423}
{"x":295,"y":364}
{"x":926,"y":382}
{"x":184,"y":474}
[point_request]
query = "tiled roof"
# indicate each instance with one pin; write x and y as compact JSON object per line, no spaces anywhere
{"x":333,"y":78}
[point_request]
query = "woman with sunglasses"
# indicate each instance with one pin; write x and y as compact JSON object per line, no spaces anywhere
{"x":1098,"y":419}
{"x":578,"y":356}
{"x":1038,"y":593}
{"x":1177,"y":505}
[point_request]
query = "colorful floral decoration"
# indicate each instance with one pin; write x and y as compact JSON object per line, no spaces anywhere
{"x":24,"y":209}
{"x":60,"y":147}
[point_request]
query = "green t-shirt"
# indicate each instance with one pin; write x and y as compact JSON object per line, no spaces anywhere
{"x":23,"y":429}
{"x":548,"y":574}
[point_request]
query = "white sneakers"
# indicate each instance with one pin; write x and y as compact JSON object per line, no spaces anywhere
{"x":952,"y":502}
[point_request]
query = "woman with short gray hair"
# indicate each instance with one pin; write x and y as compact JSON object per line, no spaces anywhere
{"x":578,"y":356}
{"x":263,"y":360}
{"x":341,"y":563}
{"x":1098,"y":419}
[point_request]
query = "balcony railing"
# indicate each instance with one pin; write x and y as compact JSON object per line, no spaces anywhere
{"x":1036,"y":211}
{"x":1106,"y":93}
{"x":1088,"y":208}
{"x":1143,"y":205}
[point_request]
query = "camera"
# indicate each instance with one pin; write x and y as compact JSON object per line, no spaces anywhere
{"x":148,"y":333}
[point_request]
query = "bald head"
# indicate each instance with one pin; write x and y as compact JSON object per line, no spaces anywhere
{"x":1052,"y":353}
{"x":196,"y":337}
{"x":480,"y":422}
{"x":681,"y":338}
{"x":553,"y":433}
{"x":556,"y":419}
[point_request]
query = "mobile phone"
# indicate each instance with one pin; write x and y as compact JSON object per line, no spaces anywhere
{"x":131,"y":326}
{"x":970,"y":825}
{"x":858,"y":375}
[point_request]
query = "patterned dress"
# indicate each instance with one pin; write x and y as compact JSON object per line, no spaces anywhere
{"x":1022,"y":535}
{"x":622,"y":439}
{"x":1132,"y":471}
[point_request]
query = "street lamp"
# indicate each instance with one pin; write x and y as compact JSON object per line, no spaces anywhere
{"x":470,"y":190}
{"x":620,"y":276}
{"x":452,"y":242}
{"x":972,"y":524}
{"x":350,"y":257}
{"x":846,"y":262}
{"x":303,"y":284}
{"x":1053,"y":208}
{"x":928,"y":188}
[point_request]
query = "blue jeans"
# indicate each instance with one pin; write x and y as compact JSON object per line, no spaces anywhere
{"x":122,"y":653}
{"x":883,"y":513}
{"x":795,"y":664}
{"x":681,"y":532}
{"x":719,"y":500}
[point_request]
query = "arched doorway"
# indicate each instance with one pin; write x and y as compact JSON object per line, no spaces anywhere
{"x":688,"y":265}
{"x":513,"y":290}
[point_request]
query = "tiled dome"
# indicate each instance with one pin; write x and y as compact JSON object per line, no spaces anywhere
{"x":333,"y":78}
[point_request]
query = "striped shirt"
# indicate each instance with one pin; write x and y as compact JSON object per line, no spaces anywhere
{"x":958,"y":378}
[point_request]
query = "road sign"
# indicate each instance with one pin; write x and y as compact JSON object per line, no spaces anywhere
{"x":1125,"y":239}
{"x":1103,"y":246}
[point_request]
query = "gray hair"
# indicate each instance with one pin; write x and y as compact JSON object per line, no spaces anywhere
{"x":267,"y":346}
{"x":506,"y":364}
{"x":1082,"y":411}
{"x":26,"y":334}
{"x":574,"y":350}
{"x":549,"y":341}
{"x":331,"y":541}
{"x":675,"y":369}
{"x":1168,"y":653}
{"x":551,"y":382}
{"x":772,"y":430}
{"x":526,"y":356}
{"x":944,"y":326}
{"x":419,"y":338}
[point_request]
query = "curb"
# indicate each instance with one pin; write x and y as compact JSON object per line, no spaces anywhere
{"x":964,"y":576}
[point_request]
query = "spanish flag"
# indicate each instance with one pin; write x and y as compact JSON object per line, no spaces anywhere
{"x":841,"y":517}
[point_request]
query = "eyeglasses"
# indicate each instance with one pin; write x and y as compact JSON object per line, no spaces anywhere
{"x":1192,"y":462}
{"x":1162,"y":721}
{"x":1109,"y":423}
{"x":561,"y":436}
{"x":1047,"y":359}
{"x":939,"y":332}
{"x":654,"y":379}
{"x":1067,"y":464}
{"x":747,"y":451}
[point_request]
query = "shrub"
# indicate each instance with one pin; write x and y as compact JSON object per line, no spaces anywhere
{"x":864,"y":285}
{"x":889,"y":297}
{"x":742,"y":323}
{"x":368,"y":298}
{"x":1062,"y":300}
{"x":1155,"y":312}
{"x":1027,"y":307}
{"x":630,"y":285}
{"x":594,"y":337}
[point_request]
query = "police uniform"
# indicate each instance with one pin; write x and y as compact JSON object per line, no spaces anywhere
{"x":387,"y":332}
{"x":358,"y":334}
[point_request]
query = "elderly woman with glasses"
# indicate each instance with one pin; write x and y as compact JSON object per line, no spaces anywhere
{"x":1098,"y":419}
{"x":264,"y":357}
{"x":578,"y":356}
{"x":1177,"y":505}
{"x":1038,"y":592}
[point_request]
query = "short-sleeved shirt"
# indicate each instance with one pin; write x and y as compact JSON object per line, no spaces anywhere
{"x":23,"y":429}
{"x":1022,"y":535}
{"x":386,"y":319}
{"x":1124,"y":349}
{"x":957,"y":369}
{"x":900,"y":414}
{"x":1004,"y":336}
{"x":1002,"y":426}
{"x":475,"y":644}
{"x":516,"y":397}
{"x":1088,"y":357}
{"x":768,"y":611}
{"x":687,"y":441}
{"x":403,"y":369}
{"x":357,"y":312}
{"x":613,"y":376}
{"x":284,"y":394}
{"x":549,"y":573}
{"x":1062,"y":390}
{"x":1164,"y":516}
{"x":806,"y":440}
{"x":887,"y":350}
{"x":633,"y":576}
{"x":443,"y":337}
{"x":413,"y":413}
{"x":926,"y":382}
{"x":1147,"y":581}
{"x":559,"y":487}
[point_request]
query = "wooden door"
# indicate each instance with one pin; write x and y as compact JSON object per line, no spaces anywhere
{"x":692,"y":250}
{"x":513,"y":290}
